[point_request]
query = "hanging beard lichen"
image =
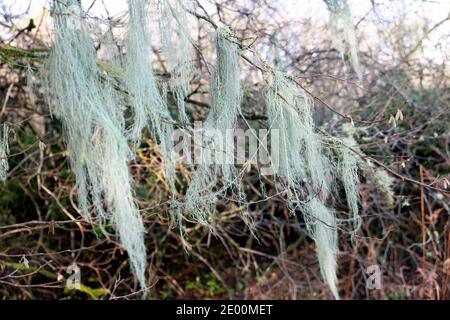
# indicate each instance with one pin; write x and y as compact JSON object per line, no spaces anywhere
{"x":341,"y":23}
{"x":322,"y":226}
{"x":303,"y":163}
{"x":146,"y":102}
{"x":177,"y":48}
{"x":147,"y":105}
{"x":218,"y":141}
{"x":383,"y":182}
{"x":85,"y":101}
{"x":300,"y":158}
{"x":348,"y":168}
{"x":4,"y":151}
{"x":92,"y":112}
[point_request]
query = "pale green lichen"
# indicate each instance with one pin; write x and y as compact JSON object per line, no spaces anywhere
{"x":348,"y":169}
{"x":4,"y":151}
{"x":177,"y":48}
{"x":226,"y":100}
{"x":88,"y":105}
{"x":324,"y":232}
{"x":344,"y":31}
{"x":303,"y":163}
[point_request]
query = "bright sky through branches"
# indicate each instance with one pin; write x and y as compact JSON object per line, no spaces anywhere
{"x":387,"y":14}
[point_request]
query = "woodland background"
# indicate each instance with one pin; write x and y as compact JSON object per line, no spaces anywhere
{"x":401,"y":110}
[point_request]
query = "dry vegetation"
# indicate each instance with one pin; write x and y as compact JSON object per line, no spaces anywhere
{"x":399,"y":115}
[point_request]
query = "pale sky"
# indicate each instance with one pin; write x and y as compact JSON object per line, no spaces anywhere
{"x":435,"y":9}
{"x":389,"y":12}
{"x":118,"y":6}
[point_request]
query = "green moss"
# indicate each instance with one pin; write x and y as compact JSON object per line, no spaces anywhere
{"x":206,"y":283}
